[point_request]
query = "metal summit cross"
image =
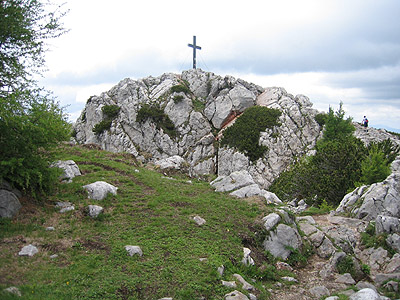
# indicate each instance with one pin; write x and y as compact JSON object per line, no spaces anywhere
{"x":194,"y":46}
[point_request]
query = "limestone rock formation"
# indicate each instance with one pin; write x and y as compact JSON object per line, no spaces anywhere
{"x":199,"y":104}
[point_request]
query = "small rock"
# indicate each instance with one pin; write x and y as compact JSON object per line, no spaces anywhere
{"x":319,"y":291}
{"x":29,"y":250}
{"x":66,"y":209}
{"x":391,"y":286}
{"x":53,"y":256}
{"x":229,"y":284}
{"x":199,"y":220}
{"x":94,"y":210}
{"x":99,"y":190}
{"x":13,"y":290}
{"x":363,"y":284}
{"x":308,"y":219}
{"x":271,"y":220}
{"x":247,"y":260}
{"x":166,"y":298}
{"x":65,"y":206}
{"x":280,"y":265}
{"x":252,"y":296}
{"x":394,"y":265}
{"x":50,"y":228}
{"x":202,"y":259}
{"x":132,"y":250}
{"x":332,"y":298}
{"x":221,"y":270}
{"x":289,"y":279}
{"x":346,"y":279}
{"x":365,"y":294}
{"x":236,"y":295}
{"x":246,"y":286}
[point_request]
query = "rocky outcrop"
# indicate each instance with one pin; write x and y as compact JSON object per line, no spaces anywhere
{"x":205,"y":104}
{"x":9,"y":200}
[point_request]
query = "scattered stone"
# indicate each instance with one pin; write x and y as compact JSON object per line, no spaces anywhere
{"x":345,"y":279}
{"x":234,"y":181}
{"x":326,"y":249}
{"x":271,"y":198}
{"x":386,"y":224}
{"x":132,"y":250}
{"x":289,"y":279}
{"x":203,"y":259}
{"x":29,"y":250}
{"x":50,"y":228}
{"x":9,"y":204}
{"x":172,"y":162}
{"x":99,"y":190}
{"x":319,"y":291}
{"x":54,"y":256}
{"x":252,"y":296}
{"x":166,"y":298}
{"x":94,"y":210}
{"x":236,"y":295}
{"x":199,"y":220}
{"x":65,"y":206}
{"x":221,"y":270}
{"x":229,"y":284}
{"x":246,"y":286}
{"x":279,"y":241}
{"x":308,"y":219}
{"x":393,"y":241}
{"x":391,"y":286}
{"x":363,"y":284}
{"x":70,"y":169}
{"x":280,"y":265}
{"x":13,"y":290}
{"x":307,"y":228}
{"x":271,"y":220}
{"x":247,"y":260}
{"x":380,"y":278}
{"x":394,"y":265}
{"x":332,"y":298}
{"x":365,"y":294}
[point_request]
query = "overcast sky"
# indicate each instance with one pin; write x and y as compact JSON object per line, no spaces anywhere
{"x":330,"y":50}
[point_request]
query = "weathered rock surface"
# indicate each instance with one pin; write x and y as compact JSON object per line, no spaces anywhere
{"x":28,"y":250}
{"x":99,"y":190}
{"x":94,"y":210}
{"x":70,"y":169}
{"x":132,"y":250}
{"x":236,"y":295}
{"x":9,"y":204}
{"x":211,"y":103}
{"x":279,"y":241}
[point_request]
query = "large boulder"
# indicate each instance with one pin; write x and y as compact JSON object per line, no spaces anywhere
{"x":9,"y":204}
{"x":99,"y":190}
{"x":280,"y":241}
{"x":367,"y":202}
{"x":70,"y":169}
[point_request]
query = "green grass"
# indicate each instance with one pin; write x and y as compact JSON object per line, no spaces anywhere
{"x":150,"y":211}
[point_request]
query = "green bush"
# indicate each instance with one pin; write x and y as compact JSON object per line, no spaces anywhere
{"x":178,"y":98}
{"x":321,"y":119}
{"x":331,"y":172}
{"x":111,"y":111}
{"x":180,"y":88}
{"x":244,"y":135}
{"x":102,"y":126}
{"x":375,"y":167}
{"x":346,"y":265}
{"x":158,"y":116}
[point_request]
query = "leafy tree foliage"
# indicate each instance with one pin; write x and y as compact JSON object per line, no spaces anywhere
{"x":244,"y":135}
{"x":31,"y":121}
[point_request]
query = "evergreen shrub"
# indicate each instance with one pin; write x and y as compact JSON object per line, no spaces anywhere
{"x":158,"y":116}
{"x":244,"y":135}
{"x":111,"y":111}
{"x":180,"y":88}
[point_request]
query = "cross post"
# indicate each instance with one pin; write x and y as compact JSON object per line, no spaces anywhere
{"x":194,"y":46}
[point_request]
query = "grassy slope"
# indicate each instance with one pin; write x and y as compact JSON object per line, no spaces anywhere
{"x":150,"y":211}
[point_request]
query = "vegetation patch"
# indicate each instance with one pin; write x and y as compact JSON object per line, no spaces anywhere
{"x":198,"y":105}
{"x":180,"y":88}
{"x":244,"y":135}
{"x":110,"y":112}
{"x":158,"y":116}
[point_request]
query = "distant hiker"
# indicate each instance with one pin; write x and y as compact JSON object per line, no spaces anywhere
{"x":365,"y":123}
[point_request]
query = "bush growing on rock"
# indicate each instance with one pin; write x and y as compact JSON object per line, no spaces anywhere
{"x":244,"y":135}
{"x":158,"y":116}
{"x":111,"y":111}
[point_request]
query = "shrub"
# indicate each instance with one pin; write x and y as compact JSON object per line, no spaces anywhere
{"x":178,"y":98}
{"x":321,"y":119}
{"x":346,"y":265}
{"x":180,"y":88}
{"x":102,"y":126}
{"x":331,"y":172}
{"x":198,"y":105}
{"x":111,"y":111}
{"x":375,"y":167}
{"x":158,"y":116}
{"x":244,"y":135}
